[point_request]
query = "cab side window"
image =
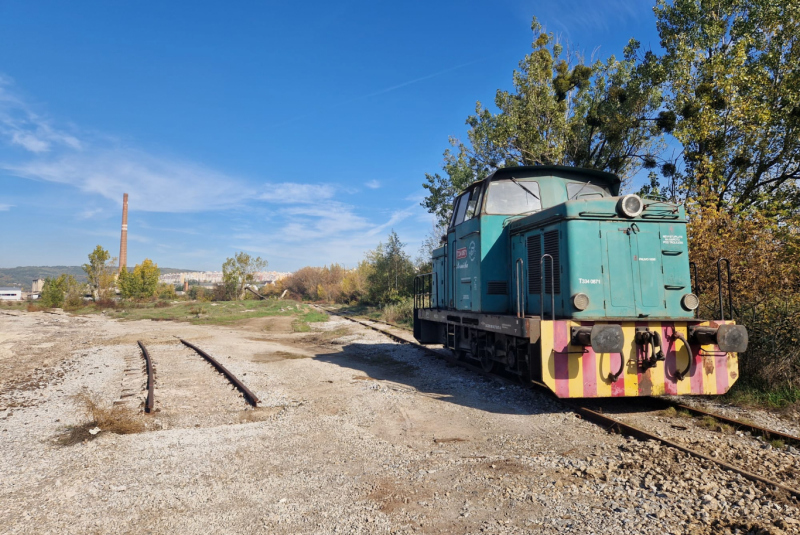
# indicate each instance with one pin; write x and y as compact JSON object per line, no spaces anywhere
{"x":460,"y":209}
{"x":474,"y":204}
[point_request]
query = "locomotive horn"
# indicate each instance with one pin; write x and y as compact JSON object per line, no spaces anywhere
{"x":602,"y":338}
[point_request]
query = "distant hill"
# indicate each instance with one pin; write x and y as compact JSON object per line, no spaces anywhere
{"x":22,"y":277}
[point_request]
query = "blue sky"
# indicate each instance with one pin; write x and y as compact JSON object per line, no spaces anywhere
{"x":300,"y":132}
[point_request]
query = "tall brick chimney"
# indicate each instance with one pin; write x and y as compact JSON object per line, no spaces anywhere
{"x":123,"y":241}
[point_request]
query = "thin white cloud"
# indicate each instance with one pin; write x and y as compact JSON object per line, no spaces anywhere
{"x":26,"y":129}
{"x":89,"y":213}
{"x":154,"y":184}
{"x":292,"y":193}
{"x":373,"y":184}
{"x":6,"y":207}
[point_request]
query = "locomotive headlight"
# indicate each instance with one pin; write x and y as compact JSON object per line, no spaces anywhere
{"x":580,"y":301}
{"x":690,"y":301}
{"x":631,"y":205}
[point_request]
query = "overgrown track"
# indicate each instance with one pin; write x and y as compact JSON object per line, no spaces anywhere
{"x":606,"y":421}
{"x":248,"y":395}
{"x":148,"y":404}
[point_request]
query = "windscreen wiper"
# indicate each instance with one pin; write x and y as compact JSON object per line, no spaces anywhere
{"x":580,"y":190}
{"x":514,"y":180}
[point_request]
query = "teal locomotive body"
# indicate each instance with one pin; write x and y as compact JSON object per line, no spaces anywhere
{"x":544,"y":265}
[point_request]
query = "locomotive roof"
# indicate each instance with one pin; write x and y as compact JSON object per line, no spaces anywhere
{"x":562,"y":171}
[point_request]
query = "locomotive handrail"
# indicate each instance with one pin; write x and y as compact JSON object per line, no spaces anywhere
{"x":552,"y":286}
{"x":419,"y":290}
{"x":520,"y":268}
{"x":719,"y":287}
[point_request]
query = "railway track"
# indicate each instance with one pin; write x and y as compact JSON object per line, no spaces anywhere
{"x":596,"y":415}
{"x":249,"y":396}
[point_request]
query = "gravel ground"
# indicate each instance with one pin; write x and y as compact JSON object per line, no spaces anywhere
{"x":354,"y":434}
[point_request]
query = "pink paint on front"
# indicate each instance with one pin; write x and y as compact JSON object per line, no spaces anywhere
{"x":671,"y":358}
{"x":560,"y":348}
{"x":589,"y":365}
{"x":618,"y":386}
{"x":721,"y":366}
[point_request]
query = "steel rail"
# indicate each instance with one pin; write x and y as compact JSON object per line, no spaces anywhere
{"x":608,"y":423}
{"x":148,"y":403}
{"x":752,"y":428}
{"x":248,"y":395}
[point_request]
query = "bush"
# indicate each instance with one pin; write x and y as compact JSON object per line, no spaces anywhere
{"x":105,"y":302}
{"x":166,"y":291}
{"x":402,"y":312}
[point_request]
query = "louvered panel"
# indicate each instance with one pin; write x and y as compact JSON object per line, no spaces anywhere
{"x":551,"y":248}
{"x":498,"y":288}
{"x":534,"y":245}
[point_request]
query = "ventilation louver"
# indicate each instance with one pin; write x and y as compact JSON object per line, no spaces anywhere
{"x":498,"y":288}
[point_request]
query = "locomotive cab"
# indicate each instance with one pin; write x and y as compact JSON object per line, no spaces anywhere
{"x":552,"y":274}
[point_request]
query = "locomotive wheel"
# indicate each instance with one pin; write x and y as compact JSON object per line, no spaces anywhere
{"x":487,"y":359}
{"x":523,"y":370}
{"x":459,"y":354}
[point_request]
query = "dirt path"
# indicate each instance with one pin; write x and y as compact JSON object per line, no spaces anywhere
{"x":354,"y":434}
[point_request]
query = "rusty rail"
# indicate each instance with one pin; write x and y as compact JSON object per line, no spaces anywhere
{"x":248,"y":395}
{"x":754,"y":429}
{"x":148,"y":403}
{"x":611,"y":424}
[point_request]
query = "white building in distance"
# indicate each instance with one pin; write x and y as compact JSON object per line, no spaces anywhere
{"x":7,"y":293}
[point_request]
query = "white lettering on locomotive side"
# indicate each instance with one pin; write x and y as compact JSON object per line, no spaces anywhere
{"x":462,"y":265}
{"x":646,"y":259}
{"x":672,"y":239}
{"x":589,"y":281}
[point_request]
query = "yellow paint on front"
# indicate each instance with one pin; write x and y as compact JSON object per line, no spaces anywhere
{"x":682,"y":355}
{"x":709,"y":366}
{"x":631,"y":366}
{"x":575,"y":364}
{"x":548,"y":358}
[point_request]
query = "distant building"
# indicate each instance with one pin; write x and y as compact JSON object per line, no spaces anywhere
{"x":8,"y":293}
{"x":37,"y":286}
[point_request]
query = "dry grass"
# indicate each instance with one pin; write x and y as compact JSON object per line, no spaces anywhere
{"x":115,"y":419}
{"x":710,"y":423}
{"x":287,"y":355}
{"x":35,"y":308}
{"x":259,"y":414}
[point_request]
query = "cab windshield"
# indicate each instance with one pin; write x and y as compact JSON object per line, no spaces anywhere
{"x":512,"y":197}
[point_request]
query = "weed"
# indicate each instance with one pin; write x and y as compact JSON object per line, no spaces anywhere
{"x":35,"y":308}
{"x":161,"y":304}
{"x":777,"y":444}
{"x":300,"y":326}
{"x":116,"y":419}
{"x":287,"y":355}
{"x":669,"y":412}
{"x":711,"y":423}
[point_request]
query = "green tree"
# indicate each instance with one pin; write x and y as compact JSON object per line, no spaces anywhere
{"x":60,"y":291}
{"x":240,"y":271}
{"x":733,"y":78}
{"x":100,"y":272}
{"x":142,"y":283}
{"x":391,"y":277}
{"x":561,"y":111}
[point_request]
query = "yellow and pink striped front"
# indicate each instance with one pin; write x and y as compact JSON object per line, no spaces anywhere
{"x":578,"y":372}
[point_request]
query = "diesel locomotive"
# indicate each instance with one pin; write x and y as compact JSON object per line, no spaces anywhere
{"x":547,"y":272}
